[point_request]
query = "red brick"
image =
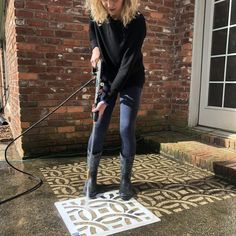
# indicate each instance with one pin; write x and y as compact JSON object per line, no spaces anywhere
{"x":63,"y":34}
{"x":71,"y":42}
{"x":75,"y":109}
{"x":34,"y":5}
{"x":28,"y":76}
{"x":66,"y":129}
{"x":25,"y":31}
{"x":45,"y":48}
{"x":25,"y":125}
{"x":19,"y":4}
{"x":156,"y":15}
{"x":42,"y":15}
{"x":55,"y":9}
{"x":62,"y":110}
{"x":24,"y":13}
{"x":26,"y":46}
{"x":37,"y":23}
{"x":45,"y":33}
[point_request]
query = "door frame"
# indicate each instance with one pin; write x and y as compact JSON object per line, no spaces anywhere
{"x":195,"y":82}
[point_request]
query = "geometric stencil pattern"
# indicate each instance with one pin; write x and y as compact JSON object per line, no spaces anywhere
{"x":162,"y":185}
{"x":105,"y":215}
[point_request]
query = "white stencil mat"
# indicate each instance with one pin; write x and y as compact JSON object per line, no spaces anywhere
{"x":105,"y":215}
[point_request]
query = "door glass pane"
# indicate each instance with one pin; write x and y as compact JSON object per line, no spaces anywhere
{"x":217,"y":69}
{"x":221,"y":14}
{"x":233,"y":13}
{"x":232,"y":40}
{"x":219,"y":42}
{"x":231,"y":69}
{"x":215,"y":95}
{"x":221,"y":75}
{"x":230,"y":96}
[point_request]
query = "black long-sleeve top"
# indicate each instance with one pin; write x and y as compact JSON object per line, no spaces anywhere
{"x":120,"y":47}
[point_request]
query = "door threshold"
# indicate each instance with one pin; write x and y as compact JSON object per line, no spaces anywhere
{"x":217,"y":137}
{"x":215,"y":132}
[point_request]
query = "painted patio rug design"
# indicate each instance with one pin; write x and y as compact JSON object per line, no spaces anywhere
{"x":162,"y":185}
{"x":105,"y":215}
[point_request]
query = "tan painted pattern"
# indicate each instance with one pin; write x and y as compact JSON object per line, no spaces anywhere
{"x":162,"y":185}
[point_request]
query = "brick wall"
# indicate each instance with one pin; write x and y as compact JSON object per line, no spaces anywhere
{"x":53,"y":60}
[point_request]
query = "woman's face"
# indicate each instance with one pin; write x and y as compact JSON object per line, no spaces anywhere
{"x":113,"y":7}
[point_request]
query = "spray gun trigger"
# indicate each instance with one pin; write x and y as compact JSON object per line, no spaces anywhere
{"x":94,"y":71}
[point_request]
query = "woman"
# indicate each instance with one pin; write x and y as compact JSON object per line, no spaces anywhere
{"x":117,"y":31}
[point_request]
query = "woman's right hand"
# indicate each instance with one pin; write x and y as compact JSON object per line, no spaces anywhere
{"x":100,"y":108}
{"x":95,"y":57}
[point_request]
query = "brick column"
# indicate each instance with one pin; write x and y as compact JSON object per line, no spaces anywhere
{"x":182,"y":55}
{"x":12,"y":109}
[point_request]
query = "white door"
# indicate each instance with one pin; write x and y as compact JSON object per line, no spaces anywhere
{"x":218,"y":78}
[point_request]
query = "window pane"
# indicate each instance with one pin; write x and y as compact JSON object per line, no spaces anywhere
{"x":215,"y":95}
{"x":230,"y":96}
{"x":233,"y":13}
{"x":219,"y":42}
{"x":217,"y":69}
{"x":232,"y":40}
{"x":231,"y":69}
{"x":221,"y":14}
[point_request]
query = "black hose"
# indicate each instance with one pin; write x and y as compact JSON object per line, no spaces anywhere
{"x":40,"y":181}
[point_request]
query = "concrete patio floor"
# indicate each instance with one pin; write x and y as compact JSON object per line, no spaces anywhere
{"x":188,"y":200}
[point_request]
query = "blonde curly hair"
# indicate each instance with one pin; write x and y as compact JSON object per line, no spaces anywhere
{"x":99,"y":13}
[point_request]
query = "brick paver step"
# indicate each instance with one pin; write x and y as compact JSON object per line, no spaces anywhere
{"x":186,"y":148}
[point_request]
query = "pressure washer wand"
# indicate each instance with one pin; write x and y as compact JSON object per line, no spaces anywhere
{"x":99,"y":88}
{"x":98,"y":92}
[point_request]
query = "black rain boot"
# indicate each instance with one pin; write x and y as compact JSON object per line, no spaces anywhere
{"x":91,"y":182}
{"x":126,"y":191}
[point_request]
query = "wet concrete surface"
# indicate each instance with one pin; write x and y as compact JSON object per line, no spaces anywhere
{"x":35,"y":213}
{"x":11,"y":152}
